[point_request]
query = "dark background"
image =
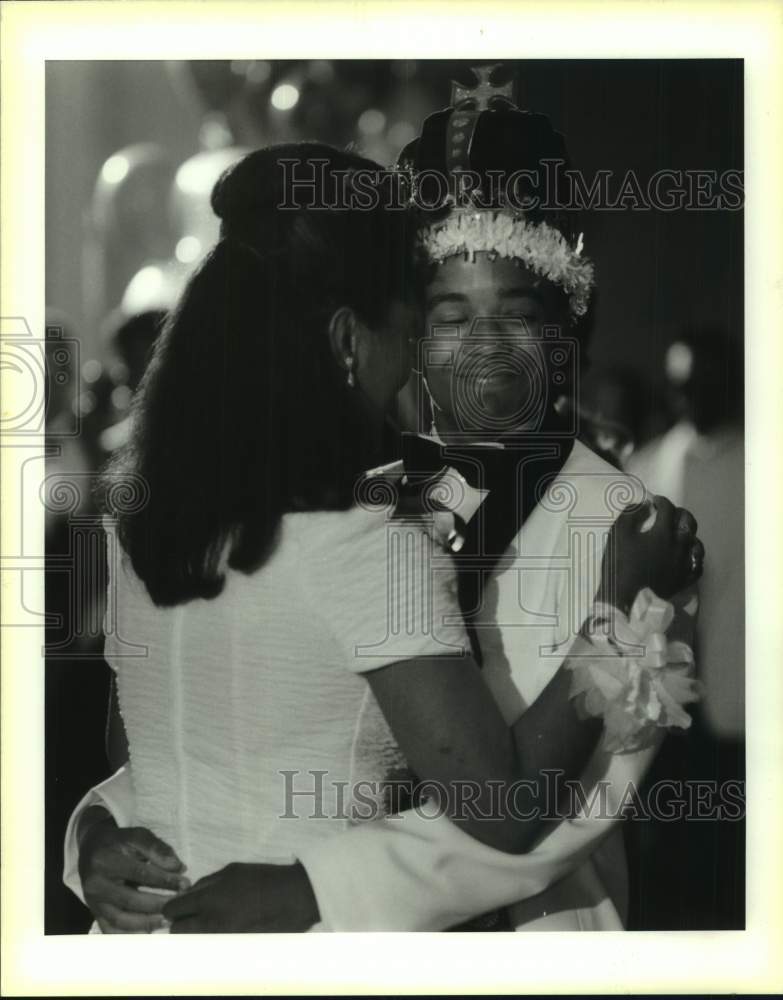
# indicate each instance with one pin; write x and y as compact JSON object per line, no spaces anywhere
{"x":656,"y":271}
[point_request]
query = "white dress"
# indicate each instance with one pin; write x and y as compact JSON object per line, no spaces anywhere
{"x":244,"y":717}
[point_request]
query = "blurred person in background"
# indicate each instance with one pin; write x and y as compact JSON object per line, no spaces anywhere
{"x":699,"y":462}
{"x":132,"y":341}
{"x":76,"y":676}
{"x":700,"y":459}
{"x":66,"y":457}
{"x":612,"y":406}
{"x":129,"y":343}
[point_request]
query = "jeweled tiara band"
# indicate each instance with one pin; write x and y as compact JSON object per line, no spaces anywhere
{"x":506,"y":234}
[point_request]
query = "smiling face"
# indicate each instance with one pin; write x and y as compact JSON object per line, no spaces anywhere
{"x":482,"y":357}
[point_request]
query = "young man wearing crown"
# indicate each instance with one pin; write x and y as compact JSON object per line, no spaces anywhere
{"x":505,"y":284}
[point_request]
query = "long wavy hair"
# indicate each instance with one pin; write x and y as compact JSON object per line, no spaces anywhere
{"x":244,"y":414}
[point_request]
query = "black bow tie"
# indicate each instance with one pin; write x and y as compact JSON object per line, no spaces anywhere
{"x":482,"y":466}
{"x":486,"y":467}
{"x":514,"y":478}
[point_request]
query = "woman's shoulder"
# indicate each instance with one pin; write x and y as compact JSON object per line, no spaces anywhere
{"x":376,"y":498}
{"x":337,"y":532}
{"x":352,"y":549}
{"x":354,"y":569}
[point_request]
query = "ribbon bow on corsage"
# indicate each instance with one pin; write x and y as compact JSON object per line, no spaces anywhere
{"x":631,"y":676}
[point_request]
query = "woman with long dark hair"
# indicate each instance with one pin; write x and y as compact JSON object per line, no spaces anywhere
{"x":257,"y":577}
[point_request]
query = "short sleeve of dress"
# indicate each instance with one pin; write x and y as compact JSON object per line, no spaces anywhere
{"x":384,"y":589}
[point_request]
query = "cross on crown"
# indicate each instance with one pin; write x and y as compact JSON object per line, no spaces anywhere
{"x":480,"y":96}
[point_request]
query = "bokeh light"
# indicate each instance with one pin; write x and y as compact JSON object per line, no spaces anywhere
{"x":285,"y":97}
{"x":679,"y":363}
{"x":401,"y":133}
{"x":121,"y":397}
{"x":371,"y":122}
{"x":188,"y":249}
{"x":91,"y":370}
{"x":115,"y":169}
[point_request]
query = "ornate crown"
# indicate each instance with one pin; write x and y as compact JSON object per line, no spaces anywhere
{"x":487,"y":176}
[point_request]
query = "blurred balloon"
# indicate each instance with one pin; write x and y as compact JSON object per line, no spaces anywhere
{"x":127,"y":223}
{"x":196,"y":226}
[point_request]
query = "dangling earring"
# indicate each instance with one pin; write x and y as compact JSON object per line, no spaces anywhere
{"x":349,"y":362}
{"x":433,"y":405}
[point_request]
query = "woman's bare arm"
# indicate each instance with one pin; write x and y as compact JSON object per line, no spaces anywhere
{"x":453,"y":734}
{"x":454,"y":737}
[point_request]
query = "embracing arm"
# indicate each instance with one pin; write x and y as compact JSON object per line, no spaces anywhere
{"x":427,"y":875}
{"x":455,"y":739}
{"x":113,"y":799}
{"x":104,"y":853}
{"x":452,"y":732}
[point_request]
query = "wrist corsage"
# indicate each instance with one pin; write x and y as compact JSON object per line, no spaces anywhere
{"x":627,"y":673}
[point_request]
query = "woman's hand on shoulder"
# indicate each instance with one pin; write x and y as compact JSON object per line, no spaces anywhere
{"x":653,"y":545}
{"x":114,"y":863}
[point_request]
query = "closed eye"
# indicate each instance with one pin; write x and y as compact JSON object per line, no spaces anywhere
{"x":449,"y":319}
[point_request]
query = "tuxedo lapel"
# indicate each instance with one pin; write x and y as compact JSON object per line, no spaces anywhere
{"x":514,"y":488}
{"x":512,"y":479}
